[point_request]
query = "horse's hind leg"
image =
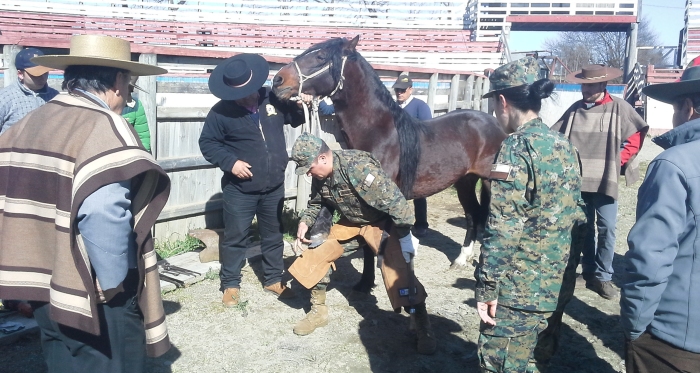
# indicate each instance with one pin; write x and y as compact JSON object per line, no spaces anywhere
{"x":466,"y":192}
{"x":367,"y":281}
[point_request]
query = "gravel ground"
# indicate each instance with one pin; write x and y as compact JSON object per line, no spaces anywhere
{"x":364,"y":334}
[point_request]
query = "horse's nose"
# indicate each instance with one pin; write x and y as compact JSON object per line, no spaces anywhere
{"x":277,"y":80}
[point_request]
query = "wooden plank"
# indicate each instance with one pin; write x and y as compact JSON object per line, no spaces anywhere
{"x":469,"y":93}
{"x":148,"y":99}
{"x":454,"y":93}
{"x":184,"y":163}
{"x":9,"y":52}
{"x":432,"y":88}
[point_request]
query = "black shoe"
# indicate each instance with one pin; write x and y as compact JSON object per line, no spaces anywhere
{"x":420,"y":232}
{"x":604,"y":288}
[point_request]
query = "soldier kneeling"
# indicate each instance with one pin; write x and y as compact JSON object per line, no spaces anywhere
{"x":353,"y":182}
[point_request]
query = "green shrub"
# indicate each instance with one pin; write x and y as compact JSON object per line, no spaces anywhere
{"x":168,"y":248}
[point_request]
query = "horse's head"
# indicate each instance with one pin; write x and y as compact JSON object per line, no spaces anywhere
{"x":318,"y":71}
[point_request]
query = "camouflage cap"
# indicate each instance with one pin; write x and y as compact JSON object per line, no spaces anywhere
{"x":513,"y":74}
{"x":305,"y":151}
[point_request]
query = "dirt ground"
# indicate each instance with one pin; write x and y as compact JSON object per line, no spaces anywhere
{"x":364,"y":334}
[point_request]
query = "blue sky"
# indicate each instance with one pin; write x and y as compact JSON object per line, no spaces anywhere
{"x":666,"y":19}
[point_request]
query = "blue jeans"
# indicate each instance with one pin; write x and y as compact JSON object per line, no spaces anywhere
{"x":601,"y":213}
{"x":239,"y":210}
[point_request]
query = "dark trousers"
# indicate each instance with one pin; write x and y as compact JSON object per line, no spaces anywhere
{"x":120,"y":348}
{"x":648,"y":354}
{"x":239,"y":210}
{"x":601,"y":213}
{"x":421,"y":210}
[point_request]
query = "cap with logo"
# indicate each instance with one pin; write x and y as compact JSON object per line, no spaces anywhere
{"x":403,"y":82}
{"x":305,"y":151}
{"x":23,"y":62}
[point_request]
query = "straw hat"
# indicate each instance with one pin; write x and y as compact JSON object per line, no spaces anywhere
{"x":99,"y":50}
{"x":594,"y":74}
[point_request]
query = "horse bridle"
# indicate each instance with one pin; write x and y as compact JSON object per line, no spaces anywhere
{"x":303,"y":78}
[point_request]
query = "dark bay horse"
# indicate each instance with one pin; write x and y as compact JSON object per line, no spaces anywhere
{"x":423,"y":158}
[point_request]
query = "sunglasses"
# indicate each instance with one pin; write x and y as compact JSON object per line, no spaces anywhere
{"x":399,"y":91}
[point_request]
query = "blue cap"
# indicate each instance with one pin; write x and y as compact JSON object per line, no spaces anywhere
{"x":23,"y":62}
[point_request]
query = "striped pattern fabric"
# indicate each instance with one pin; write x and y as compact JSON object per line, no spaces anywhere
{"x":598,"y":134}
{"x":50,"y":161}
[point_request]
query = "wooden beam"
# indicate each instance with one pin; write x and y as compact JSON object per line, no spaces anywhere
{"x":468,"y":102}
{"x":432,"y":91}
{"x":9,"y":52}
{"x":148,"y":100}
{"x":454,"y":93}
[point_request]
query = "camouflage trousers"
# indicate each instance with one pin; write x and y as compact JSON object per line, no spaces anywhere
{"x":509,"y":346}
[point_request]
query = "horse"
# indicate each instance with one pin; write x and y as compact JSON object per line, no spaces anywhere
{"x":423,"y":158}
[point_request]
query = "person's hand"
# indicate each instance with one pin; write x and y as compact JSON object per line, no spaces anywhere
{"x":301,"y":239}
{"x":241,"y":170}
{"x":487,"y":311}
{"x":303,"y":97}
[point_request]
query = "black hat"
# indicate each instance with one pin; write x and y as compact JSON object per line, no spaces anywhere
{"x":403,"y":82}
{"x":23,"y":62}
{"x":238,"y":76}
{"x":669,"y":92}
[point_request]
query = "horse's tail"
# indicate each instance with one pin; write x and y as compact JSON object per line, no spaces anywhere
{"x":409,"y":130}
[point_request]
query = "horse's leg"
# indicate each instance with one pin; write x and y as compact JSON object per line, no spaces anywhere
{"x":318,"y":233}
{"x":466,"y":192}
{"x":484,"y":202}
{"x":367,"y":281}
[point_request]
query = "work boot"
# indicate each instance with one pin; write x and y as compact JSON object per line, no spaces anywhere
{"x":232,"y":296}
{"x":604,"y":288}
{"x":317,"y":316}
{"x":280,"y":290}
{"x":424,"y":334}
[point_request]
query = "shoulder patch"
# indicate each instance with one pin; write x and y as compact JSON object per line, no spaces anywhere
{"x":369,"y":180}
{"x":501,"y":172}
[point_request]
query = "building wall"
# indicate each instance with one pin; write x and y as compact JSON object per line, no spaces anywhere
{"x":488,"y":17}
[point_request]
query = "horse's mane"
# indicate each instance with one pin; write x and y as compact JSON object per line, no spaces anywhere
{"x":407,"y":127}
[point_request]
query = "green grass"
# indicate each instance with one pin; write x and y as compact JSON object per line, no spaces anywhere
{"x":168,"y":248}
{"x":290,"y":223}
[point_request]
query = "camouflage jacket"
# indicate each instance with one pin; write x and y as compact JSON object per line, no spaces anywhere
{"x":360,"y":190}
{"x":536,"y":200}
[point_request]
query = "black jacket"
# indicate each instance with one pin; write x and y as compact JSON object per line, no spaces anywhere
{"x":231,"y":133}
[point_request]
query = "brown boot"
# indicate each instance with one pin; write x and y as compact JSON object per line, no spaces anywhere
{"x":424,"y":334}
{"x":280,"y":290}
{"x":317,"y":317}
{"x":232,"y":296}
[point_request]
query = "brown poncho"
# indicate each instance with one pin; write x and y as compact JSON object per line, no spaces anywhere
{"x":50,"y":161}
{"x":598,"y":134}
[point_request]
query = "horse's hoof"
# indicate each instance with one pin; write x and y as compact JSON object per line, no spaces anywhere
{"x":364,"y":287}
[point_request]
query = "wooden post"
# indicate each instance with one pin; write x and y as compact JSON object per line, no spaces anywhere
{"x":469,"y":93}
{"x":432,"y":91}
{"x":485,"y":102}
{"x":454,"y":93}
{"x":303,"y":193}
{"x":148,"y":100}
{"x":478,"y":86}
{"x":9,"y":52}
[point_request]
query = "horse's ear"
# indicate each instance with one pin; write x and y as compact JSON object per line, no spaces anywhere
{"x":350,"y":48}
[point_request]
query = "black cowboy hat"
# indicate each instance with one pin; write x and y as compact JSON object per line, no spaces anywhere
{"x":238,"y":76}
{"x":669,"y":92}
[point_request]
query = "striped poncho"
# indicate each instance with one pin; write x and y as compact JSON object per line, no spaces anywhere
{"x":50,"y":161}
{"x":598,"y":134}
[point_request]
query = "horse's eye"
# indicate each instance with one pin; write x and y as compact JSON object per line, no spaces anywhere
{"x":319,"y":57}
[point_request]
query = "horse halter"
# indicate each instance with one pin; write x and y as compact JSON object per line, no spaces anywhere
{"x":303,"y":78}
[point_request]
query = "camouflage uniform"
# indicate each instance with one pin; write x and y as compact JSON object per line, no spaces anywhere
{"x":367,"y":199}
{"x":535,"y":204}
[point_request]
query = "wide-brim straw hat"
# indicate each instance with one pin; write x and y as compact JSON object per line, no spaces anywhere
{"x":669,"y":92}
{"x":239,"y":76}
{"x":99,"y":50}
{"x":593,"y":74}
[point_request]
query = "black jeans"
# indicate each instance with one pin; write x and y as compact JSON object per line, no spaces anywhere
{"x":239,"y":210}
{"x":120,"y":348}
{"x":421,"y":209}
